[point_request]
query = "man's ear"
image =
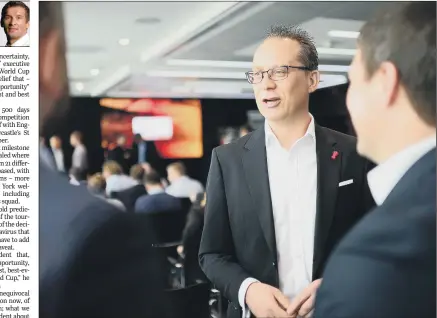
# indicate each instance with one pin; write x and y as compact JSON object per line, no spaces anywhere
{"x":313,"y":81}
{"x":51,"y":66}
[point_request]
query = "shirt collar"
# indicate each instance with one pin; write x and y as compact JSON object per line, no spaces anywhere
{"x":155,"y":191}
{"x":383,"y":178}
{"x":270,"y":136}
{"x":23,"y":41}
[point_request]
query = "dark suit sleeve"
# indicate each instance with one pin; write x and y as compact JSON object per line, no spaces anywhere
{"x":117,"y":273}
{"x":217,"y":251}
{"x":364,"y":284}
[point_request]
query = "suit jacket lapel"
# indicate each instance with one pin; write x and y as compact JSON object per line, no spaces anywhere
{"x":329,"y":159}
{"x":255,"y":169}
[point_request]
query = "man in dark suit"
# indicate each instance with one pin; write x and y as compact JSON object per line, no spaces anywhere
{"x":386,"y":266}
{"x":120,"y":154}
{"x":156,"y":199}
{"x":94,"y":261}
{"x":130,"y":195}
{"x":281,"y":197}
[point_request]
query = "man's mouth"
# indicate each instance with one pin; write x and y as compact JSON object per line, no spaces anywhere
{"x":271,"y":102}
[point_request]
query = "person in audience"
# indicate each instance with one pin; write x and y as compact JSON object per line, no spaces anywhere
{"x":58,"y":154}
{"x":130,"y":195}
{"x":15,"y":21}
{"x":156,"y":200}
{"x":386,"y":265}
{"x":96,"y":185}
{"x":116,"y":181}
{"x":77,"y":176}
{"x":181,"y":186}
{"x":191,"y":237}
{"x":93,"y":260}
{"x":120,"y":154}
{"x":139,"y":150}
{"x":281,"y":197}
{"x":45,"y":154}
{"x":244,"y":130}
{"x":80,"y":155}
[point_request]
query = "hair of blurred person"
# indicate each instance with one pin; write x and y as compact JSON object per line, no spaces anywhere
{"x":391,"y":96}
{"x":138,"y":138}
{"x":53,"y":82}
{"x":289,"y":54}
{"x":121,"y":141}
{"x":76,"y":138}
{"x":15,"y":21}
{"x":152,"y":181}
{"x":244,"y":130}
{"x":147,"y":167}
{"x":175,"y":171}
{"x":55,"y":142}
{"x":111,"y":168}
{"x":137,"y":173}
{"x":97,"y":186}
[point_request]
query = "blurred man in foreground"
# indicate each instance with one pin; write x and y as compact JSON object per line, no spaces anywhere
{"x":386,"y":266}
{"x":94,"y":261}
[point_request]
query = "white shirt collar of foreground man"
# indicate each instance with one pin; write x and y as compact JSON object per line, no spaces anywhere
{"x":383,"y":178}
{"x":23,"y":41}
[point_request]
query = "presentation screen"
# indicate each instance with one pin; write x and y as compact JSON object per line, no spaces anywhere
{"x":174,"y":126}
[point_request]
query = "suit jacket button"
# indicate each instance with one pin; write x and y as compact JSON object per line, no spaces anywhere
{"x":274,"y":264}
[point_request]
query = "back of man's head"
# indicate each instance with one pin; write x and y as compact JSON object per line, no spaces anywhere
{"x":152,"y":179}
{"x":111,"y":168}
{"x":97,"y":184}
{"x":405,"y":34}
{"x":137,"y":172}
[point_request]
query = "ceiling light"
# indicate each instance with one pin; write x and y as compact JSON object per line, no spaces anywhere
{"x":336,"y":51}
{"x":79,"y":86}
{"x":95,"y":71}
{"x":209,"y":63}
{"x":244,"y":65}
{"x":123,"y":42}
{"x":195,"y":74}
{"x":147,"y":20}
{"x":343,"y":34}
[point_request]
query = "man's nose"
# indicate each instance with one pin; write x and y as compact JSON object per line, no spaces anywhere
{"x":267,"y":82}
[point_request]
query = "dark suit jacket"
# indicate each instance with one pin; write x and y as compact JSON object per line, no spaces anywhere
{"x":94,"y":261}
{"x":191,"y":237}
{"x":386,"y":266}
{"x":118,"y":154}
{"x":159,"y":202}
{"x":129,"y":196}
{"x":238,"y":240}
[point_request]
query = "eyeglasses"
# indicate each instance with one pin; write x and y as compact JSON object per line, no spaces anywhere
{"x":275,"y":74}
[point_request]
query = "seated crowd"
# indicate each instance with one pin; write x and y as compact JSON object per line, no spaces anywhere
{"x":145,"y":192}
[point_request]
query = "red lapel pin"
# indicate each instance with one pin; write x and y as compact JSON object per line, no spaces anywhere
{"x":334,"y":155}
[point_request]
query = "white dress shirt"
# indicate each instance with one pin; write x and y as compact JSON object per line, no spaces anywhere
{"x":119,"y":182}
{"x":384,"y":177}
{"x":23,"y":41}
{"x":59,"y":159}
{"x":80,"y":158}
{"x":293,"y":189}
{"x":184,"y":187}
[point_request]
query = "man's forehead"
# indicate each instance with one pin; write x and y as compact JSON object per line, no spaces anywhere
{"x":276,"y":51}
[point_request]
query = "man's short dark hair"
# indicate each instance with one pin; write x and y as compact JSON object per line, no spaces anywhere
{"x":405,"y":35}
{"x":152,"y":178}
{"x":12,"y":4}
{"x":308,"y":55}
